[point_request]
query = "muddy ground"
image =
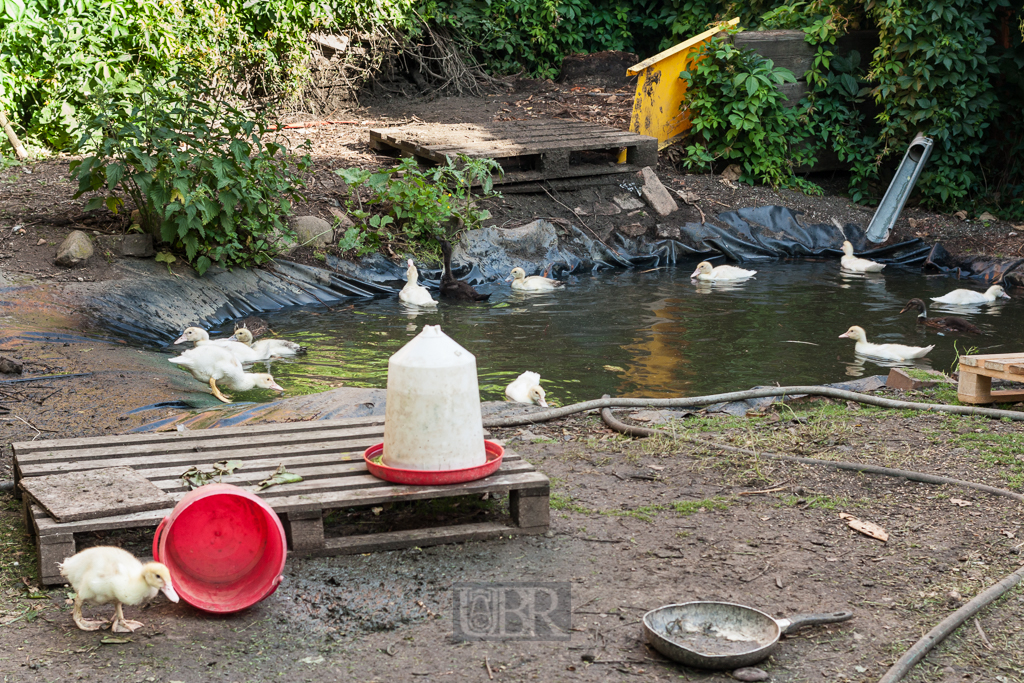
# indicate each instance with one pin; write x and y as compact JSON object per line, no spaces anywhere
{"x":635,"y":523}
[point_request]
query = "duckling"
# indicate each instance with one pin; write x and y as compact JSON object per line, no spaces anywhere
{"x":265,"y":349}
{"x":208,"y":363}
{"x":970,"y":297}
{"x":105,"y":574}
{"x":857,"y":265}
{"x":526,"y":389}
{"x":950,"y":323}
{"x":456,"y":289}
{"x":720,"y":273}
{"x":534,"y":283}
{"x":414,"y":293}
{"x":883,"y":351}
{"x":200,"y":337}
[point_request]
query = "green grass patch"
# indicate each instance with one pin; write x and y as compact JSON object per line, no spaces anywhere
{"x":821,"y":502}
{"x":998,"y":450}
{"x":645,"y":513}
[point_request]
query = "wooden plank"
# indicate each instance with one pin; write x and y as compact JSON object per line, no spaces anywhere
{"x":71,"y":497}
{"x":247,"y":431}
{"x":396,"y":540}
{"x":553,"y":140}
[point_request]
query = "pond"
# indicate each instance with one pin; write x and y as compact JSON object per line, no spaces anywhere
{"x":653,"y":333}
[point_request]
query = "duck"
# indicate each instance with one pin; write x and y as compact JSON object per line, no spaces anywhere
{"x":526,"y":389}
{"x":970,"y":297}
{"x":200,"y":337}
{"x":265,"y":349}
{"x":212,"y":364}
{"x":705,"y":271}
{"x":857,"y":265}
{"x":456,"y":289}
{"x":105,"y":574}
{"x":950,"y":323}
{"x":884,"y":351}
{"x":534,"y":283}
{"x":414,"y":293}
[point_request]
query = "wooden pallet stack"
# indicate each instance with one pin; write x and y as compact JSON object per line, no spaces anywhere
{"x":976,"y":373}
{"x":328,"y":454}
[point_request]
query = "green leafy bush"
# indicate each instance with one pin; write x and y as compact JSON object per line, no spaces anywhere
{"x":419,"y":204}
{"x":738,"y":116}
{"x":197,"y":170}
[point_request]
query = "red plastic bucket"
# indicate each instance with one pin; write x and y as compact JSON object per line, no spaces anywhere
{"x":224,"y":547}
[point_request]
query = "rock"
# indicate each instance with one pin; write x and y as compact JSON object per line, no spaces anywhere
{"x":74,"y":250}
{"x":312,"y":231}
{"x":732,"y":172}
{"x":749,"y":673}
{"x":670,"y":232}
{"x":9,"y":366}
{"x":987,"y":217}
{"x":344,"y":222}
{"x":136,"y":245}
{"x":656,"y":194}
{"x":632,"y":230}
{"x":962,"y":215}
{"x":628,"y":202}
{"x":41,"y":242}
{"x":606,"y":209}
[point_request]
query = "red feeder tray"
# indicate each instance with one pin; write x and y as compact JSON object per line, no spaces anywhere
{"x":433,"y":477}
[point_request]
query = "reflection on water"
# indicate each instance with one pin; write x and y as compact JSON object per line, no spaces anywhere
{"x":651,"y":334}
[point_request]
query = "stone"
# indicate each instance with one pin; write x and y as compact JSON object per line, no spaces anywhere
{"x":667,"y":232}
{"x":136,"y":245}
{"x":74,"y":250}
{"x":41,"y":242}
{"x":10,"y":366}
{"x":987,"y":217}
{"x":344,"y":222}
{"x":900,"y":379}
{"x":632,"y":230}
{"x":749,"y":673}
{"x":312,"y":231}
{"x":606,"y":209}
{"x":628,"y":202}
{"x":655,"y":193}
{"x":732,"y":172}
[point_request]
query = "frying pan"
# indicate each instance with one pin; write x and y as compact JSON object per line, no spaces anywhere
{"x":722,"y":635}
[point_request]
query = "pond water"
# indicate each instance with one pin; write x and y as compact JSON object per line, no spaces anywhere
{"x":653,"y":334}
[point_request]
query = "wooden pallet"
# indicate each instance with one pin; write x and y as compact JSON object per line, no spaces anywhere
{"x":976,"y":373}
{"x":328,"y":454}
{"x":528,"y":151}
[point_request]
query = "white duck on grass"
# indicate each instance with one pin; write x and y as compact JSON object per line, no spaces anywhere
{"x":855,"y":264}
{"x":526,"y":389}
{"x":533,"y":283}
{"x":212,"y":364}
{"x":884,"y":351}
{"x":105,"y":574}
{"x":969,"y":297}
{"x":705,"y":271}
{"x":201,"y":338}
{"x":265,"y":349}
{"x":414,"y":293}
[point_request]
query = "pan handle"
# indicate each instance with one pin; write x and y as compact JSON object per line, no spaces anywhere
{"x":800,"y":620}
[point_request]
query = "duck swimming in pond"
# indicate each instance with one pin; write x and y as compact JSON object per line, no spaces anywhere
{"x":414,"y":293}
{"x":949,"y":323}
{"x":533,"y":283}
{"x":200,"y":338}
{"x":883,"y":351}
{"x":211,"y":364}
{"x":969,"y":297}
{"x":265,"y":349}
{"x":526,"y":389}
{"x":855,"y":264}
{"x":705,"y":271}
{"x":451,"y":288}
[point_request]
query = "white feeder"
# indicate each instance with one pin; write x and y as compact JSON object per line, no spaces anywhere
{"x":432,"y":420}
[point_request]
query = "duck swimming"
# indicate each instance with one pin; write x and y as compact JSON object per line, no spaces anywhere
{"x":212,"y":364}
{"x":533,"y":283}
{"x":883,"y":351}
{"x":705,"y":271}
{"x":414,"y":293}
{"x":970,"y":297}
{"x":452,"y":288}
{"x":265,"y":349}
{"x":949,"y":323}
{"x":200,"y":337}
{"x":855,"y":264}
{"x":526,"y":389}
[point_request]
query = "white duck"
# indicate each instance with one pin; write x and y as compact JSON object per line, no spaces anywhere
{"x":968,"y":296}
{"x":855,"y":264}
{"x":526,"y":389}
{"x":266,"y":349}
{"x":212,"y":364}
{"x":105,"y":574}
{"x":884,"y":351}
{"x":200,"y":337}
{"x":534,"y":283}
{"x":414,"y":293}
{"x":706,"y":272}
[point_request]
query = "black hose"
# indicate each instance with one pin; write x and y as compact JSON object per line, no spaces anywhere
{"x":765,"y":392}
{"x":611,"y":421}
{"x":951,"y":623}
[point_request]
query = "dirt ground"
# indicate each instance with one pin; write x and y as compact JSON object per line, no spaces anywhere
{"x":635,"y":523}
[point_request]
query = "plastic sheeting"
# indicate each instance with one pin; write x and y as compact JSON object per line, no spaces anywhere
{"x":152,"y":306}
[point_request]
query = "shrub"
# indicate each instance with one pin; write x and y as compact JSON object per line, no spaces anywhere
{"x":196,"y":168}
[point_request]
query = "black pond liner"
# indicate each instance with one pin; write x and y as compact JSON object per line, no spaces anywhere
{"x":153,"y":307}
